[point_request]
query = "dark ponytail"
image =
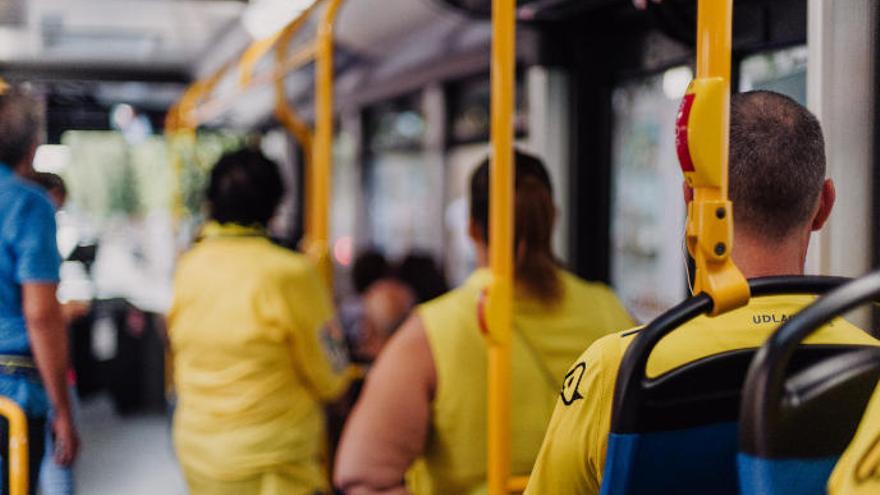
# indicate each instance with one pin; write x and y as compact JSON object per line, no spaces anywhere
{"x":536,"y":267}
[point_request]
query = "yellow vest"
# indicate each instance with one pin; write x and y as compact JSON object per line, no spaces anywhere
{"x":249,"y":365}
{"x":546,"y":340}
{"x":858,"y":472}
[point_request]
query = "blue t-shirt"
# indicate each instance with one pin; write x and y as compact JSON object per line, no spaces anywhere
{"x":28,"y":254}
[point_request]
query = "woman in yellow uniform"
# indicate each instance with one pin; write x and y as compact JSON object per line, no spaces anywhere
{"x":246,"y":337}
{"x":423,"y":408}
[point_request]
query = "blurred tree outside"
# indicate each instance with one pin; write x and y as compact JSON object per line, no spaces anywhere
{"x":107,"y":176}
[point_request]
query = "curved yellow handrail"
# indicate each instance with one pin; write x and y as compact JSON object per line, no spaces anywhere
{"x":702,"y":141}
{"x":500,"y":302}
{"x":195,"y":103}
{"x":285,"y":114}
{"x":18,"y":446}
{"x":248,"y":61}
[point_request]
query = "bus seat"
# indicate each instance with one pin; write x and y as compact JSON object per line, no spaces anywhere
{"x":677,"y":433}
{"x":795,"y":424}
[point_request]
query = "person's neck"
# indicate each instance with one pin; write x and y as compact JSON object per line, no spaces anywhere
{"x":756,"y":256}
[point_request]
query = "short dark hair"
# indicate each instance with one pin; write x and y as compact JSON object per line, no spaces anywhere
{"x":421,"y":273}
{"x":245,"y":188}
{"x":369,"y":266}
{"x":51,"y":182}
{"x":20,"y":121}
{"x":777,"y":162}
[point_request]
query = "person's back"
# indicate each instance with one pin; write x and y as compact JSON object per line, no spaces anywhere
{"x":780,"y":195}
{"x":244,"y":330}
{"x":542,"y":348}
{"x":424,"y":406}
{"x":22,"y":204}
{"x":235,"y":337}
{"x":33,"y":341}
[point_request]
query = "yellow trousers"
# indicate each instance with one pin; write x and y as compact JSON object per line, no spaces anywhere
{"x":292,"y":481}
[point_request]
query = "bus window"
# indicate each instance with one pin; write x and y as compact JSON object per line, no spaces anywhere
{"x":783,"y":71}
{"x":402,"y":182}
{"x":647,"y":251}
{"x":468,"y":131}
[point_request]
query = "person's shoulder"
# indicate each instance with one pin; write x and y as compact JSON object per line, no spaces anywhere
{"x":449,"y":300}
{"x":848,"y":333}
{"x":607,"y":351}
{"x":585,"y":289}
{"x":447,"y":310}
{"x":30,"y":196}
{"x":285,"y":264}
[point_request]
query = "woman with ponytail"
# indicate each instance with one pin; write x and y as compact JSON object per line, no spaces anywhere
{"x":422,"y":415}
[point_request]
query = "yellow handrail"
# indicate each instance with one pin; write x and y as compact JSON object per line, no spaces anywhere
{"x":284,"y":112}
{"x":248,"y":61}
{"x":320,"y":179}
{"x":500,"y":302}
{"x":317,"y":145}
{"x":702,"y":142}
{"x":18,"y":446}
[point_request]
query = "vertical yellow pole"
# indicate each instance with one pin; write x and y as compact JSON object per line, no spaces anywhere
{"x":320,"y":177}
{"x":18,"y":446}
{"x":500,"y":307}
{"x":702,"y":138}
{"x":714,"y":27}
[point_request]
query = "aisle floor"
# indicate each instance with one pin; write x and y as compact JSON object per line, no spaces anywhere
{"x":131,"y":455}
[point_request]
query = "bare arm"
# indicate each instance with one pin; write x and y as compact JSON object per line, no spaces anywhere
{"x":388,"y":427}
{"x":45,"y":326}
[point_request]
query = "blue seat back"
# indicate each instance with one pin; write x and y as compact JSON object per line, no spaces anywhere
{"x":693,"y":461}
{"x":796,"y":423}
{"x":677,"y":433}
{"x":760,"y":476}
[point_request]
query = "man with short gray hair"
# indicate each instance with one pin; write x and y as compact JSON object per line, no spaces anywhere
{"x":33,"y":340}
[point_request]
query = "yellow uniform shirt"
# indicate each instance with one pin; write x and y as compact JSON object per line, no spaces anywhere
{"x":544,"y":338}
{"x":858,"y":472}
{"x":249,"y":365}
{"x":572,"y":457}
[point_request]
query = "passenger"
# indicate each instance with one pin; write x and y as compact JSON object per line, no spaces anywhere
{"x":426,"y":396}
{"x":386,"y":305}
{"x":54,"y":186}
{"x":57,"y":479}
{"x":780,"y":195}
{"x":858,"y":471}
{"x":421,"y":273}
{"x":368,"y":267}
{"x":33,"y":340}
{"x":246,"y":337}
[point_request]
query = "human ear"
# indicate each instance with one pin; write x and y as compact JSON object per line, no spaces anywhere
{"x":826,"y":203}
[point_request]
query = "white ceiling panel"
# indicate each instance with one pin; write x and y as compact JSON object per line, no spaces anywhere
{"x":130,"y":32}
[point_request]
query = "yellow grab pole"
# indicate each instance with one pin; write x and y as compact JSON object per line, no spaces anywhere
{"x":500,"y":302}
{"x":702,"y":141}
{"x":286,"y":115}
{"x":248,"y":61}
{"x":18,"y":446}
{"x":319,"y":179}
{"x":283,"y":111}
